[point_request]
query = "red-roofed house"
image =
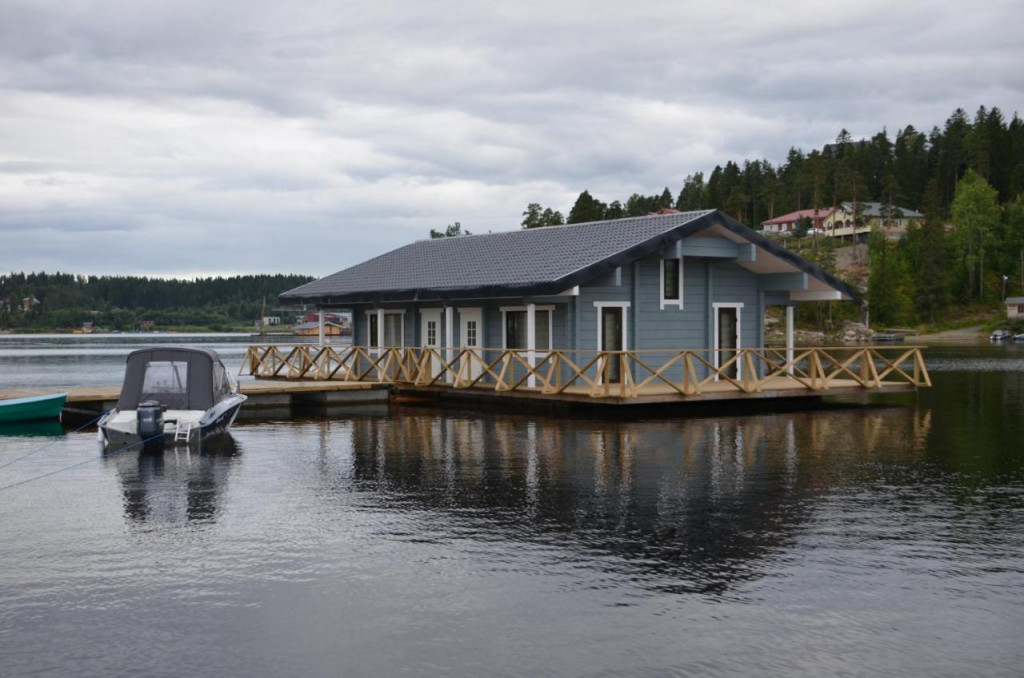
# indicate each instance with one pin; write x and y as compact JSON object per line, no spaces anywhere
{"x":786,"y":224}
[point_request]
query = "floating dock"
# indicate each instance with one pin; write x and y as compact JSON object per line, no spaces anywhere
{"x":91,"y":400}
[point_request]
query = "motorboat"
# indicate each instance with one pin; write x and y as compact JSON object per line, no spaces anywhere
{"x":1000,"y":335}
{"x":172,"y":394}
{"x":32,"y":408}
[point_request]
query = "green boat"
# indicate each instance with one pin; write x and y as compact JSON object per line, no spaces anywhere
{"x":33,"y":408}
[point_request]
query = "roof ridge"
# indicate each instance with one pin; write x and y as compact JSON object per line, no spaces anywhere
{"x":560,"y":226}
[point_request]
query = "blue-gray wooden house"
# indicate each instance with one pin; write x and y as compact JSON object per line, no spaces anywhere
{"x":671,"y":281}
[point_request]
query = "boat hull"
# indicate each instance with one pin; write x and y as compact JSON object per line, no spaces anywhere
{"x":114,"y":433}
{"x":32,"y":409}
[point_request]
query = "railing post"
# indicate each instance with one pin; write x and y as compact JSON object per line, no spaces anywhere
{"x":755,"y":380}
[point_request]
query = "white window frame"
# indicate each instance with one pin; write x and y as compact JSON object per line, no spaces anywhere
{"x":380,"y":313}
{"x":624,"y":305}
{"x":678,"y":303}
{"x":738,"y":305}
{"x":530,"y":340}
{"x":625,"y":321}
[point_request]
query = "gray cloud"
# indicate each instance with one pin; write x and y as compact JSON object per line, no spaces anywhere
{"x":307,"y":136}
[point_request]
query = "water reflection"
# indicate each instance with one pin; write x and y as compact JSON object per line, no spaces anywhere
{"x":176,"y":484}
{"x":683,"y":505}
{"x":26,"y":429}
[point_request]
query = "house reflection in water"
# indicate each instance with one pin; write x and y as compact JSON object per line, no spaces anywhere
{"x":684,"y":505}
{"x":176,"y":484}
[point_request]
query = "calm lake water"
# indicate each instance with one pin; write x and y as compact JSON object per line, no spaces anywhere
{"x":885,"y":539}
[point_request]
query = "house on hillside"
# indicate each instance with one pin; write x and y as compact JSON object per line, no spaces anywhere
{"x":1014,"y":307}
{"x":786,"y":224}
{"x":672,"y":281}
{"x":854,"y":221}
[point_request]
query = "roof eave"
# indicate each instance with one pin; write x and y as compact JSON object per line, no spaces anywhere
{"x":780,"y":252}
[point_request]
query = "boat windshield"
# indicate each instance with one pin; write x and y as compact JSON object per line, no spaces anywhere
{"x":166,"y":381}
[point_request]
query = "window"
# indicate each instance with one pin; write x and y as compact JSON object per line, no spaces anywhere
{"x":392,"y":329}
{"x":515,"y":329}
{"x":471,"y":333}
{"x":671,"y":283}
{"x":431,"y":333}
{"x":167,"y":383}
{"x":387,"y":333}
{"x":542,"y":331}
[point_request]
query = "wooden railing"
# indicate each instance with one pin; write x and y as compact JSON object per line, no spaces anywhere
{"x":624,"y":374}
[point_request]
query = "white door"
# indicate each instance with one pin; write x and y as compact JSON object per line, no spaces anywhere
{"x":430,"y":336}
{"x":470,"y":331}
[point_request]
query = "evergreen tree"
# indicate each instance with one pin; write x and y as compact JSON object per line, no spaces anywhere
{"x":452,"y":231}
{"x":552,"y":218}
{"x":802,"y":227}
{"x":890,"y":285}
{"x":665,"y":200}
{"x":532,"y":217}
{"x":586,"y":208}
{"x":691,"y":195}
{"x":1014,"y":219}
{"x":932,"y":258}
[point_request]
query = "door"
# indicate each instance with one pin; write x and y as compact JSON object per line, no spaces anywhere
{"x":430,"y":337}
{"x":727,"y":330}
{"x":612,"y":340}
{"x":470,"y":326}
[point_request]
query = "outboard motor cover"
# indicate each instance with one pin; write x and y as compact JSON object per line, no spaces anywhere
{"x":150,"y":418}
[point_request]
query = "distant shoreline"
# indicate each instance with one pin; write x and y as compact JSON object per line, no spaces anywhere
{"x":85,"y":335}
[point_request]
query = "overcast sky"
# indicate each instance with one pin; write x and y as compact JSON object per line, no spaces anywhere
{"x":190,"y":137}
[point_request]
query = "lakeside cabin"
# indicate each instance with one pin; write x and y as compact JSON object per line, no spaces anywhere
{"x":674,"y":301}
{"x":1014,"y":307}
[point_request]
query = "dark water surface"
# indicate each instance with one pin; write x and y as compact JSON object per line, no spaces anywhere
{"x":857,"y":541}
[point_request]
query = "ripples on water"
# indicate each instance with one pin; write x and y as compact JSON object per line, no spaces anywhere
{"x":839,"y":541}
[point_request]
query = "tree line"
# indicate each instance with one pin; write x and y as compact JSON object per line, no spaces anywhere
{"x":891,"y":170}
{"x":65,"y":300}
{"x":966,"y":177}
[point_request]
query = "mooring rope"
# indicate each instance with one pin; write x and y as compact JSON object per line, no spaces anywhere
{"x":51,"y":443}
{"x":81,"y":463}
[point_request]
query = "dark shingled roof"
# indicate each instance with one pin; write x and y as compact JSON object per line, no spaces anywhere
{"x":533,"y":261}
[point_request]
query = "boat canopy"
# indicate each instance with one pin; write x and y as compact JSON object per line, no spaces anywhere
{"x":178,"y":378}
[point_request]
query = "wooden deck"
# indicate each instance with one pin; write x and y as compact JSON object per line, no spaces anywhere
{"x":603,"y":377}
{"x":778,"y":387}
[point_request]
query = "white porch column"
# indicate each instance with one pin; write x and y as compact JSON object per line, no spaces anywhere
{"x":449,"y":339}
{"x":320,"y":328}
{"x":789,"y":338}
{"x":531,"y":339}
{"x":380,"y":327}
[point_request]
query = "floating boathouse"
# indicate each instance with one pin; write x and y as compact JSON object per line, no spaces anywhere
{"x":660,"y":308}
